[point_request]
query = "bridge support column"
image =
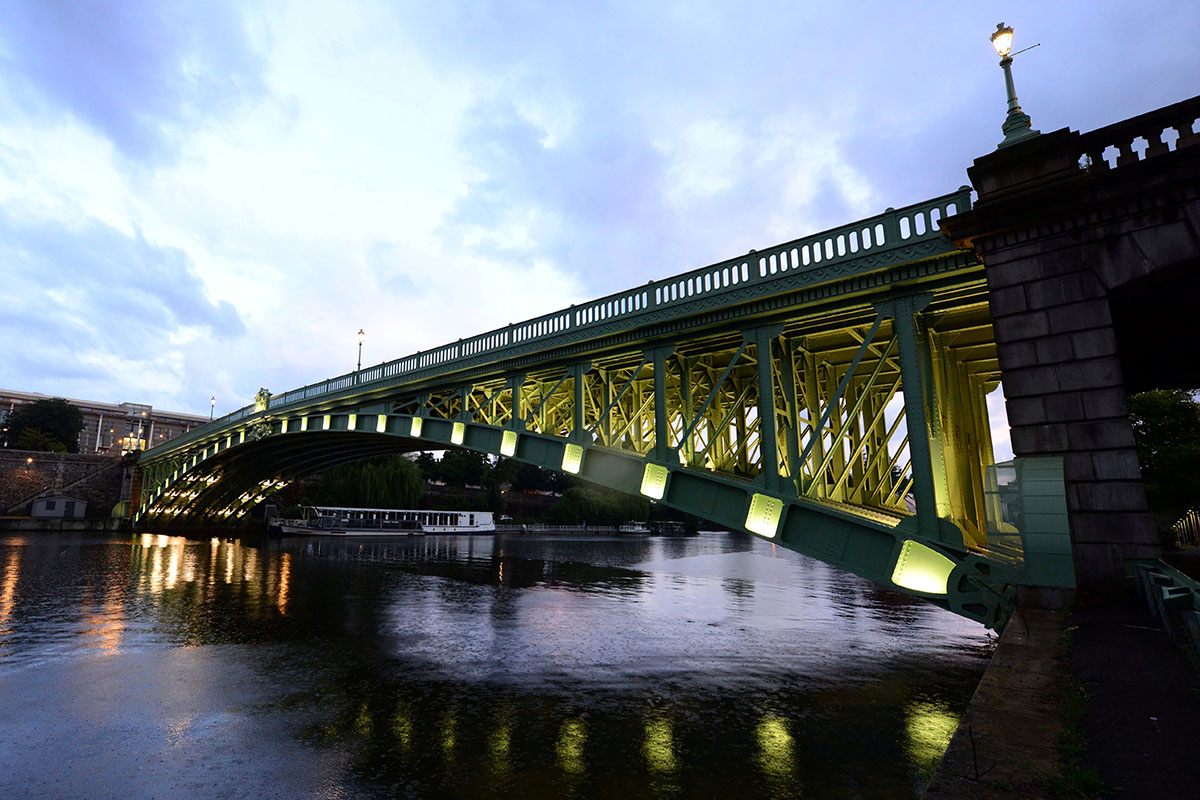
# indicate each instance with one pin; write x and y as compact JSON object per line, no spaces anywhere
{"x":768,"y":440}
{"x":787,"y":374}
{"x":917,"y":412}
{"x":662,"y":431}
{"x":516,"y":420}
{"x":578,"y":433}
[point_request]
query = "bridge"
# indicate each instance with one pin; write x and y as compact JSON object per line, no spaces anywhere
{"x":827,"y":394}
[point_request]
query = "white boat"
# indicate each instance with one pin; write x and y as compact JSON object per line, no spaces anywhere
{"x":332,"y":521}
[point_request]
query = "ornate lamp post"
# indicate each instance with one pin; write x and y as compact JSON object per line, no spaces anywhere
{"x":361,"y":336}
{"x":212,"y":406}
{"x":1017,"y":125}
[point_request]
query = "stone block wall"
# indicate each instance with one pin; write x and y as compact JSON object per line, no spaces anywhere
{"x":1065,"y":396}
{"x":1061,"y":245}
{"x":96,"y":479}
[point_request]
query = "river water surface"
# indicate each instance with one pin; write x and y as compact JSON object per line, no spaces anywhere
{"x":139,"y":666}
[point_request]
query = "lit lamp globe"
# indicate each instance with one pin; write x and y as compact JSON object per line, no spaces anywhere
{"x":1002,"y":40}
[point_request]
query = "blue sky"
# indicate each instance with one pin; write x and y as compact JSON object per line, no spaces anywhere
{"x":202,"y":198}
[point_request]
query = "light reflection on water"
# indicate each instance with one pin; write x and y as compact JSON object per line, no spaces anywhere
{"x":484,"y":666}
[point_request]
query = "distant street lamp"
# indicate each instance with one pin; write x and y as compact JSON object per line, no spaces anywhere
{"x":1017,"y":126}
{"x":212,"y":406}
{"x":361,"y":336}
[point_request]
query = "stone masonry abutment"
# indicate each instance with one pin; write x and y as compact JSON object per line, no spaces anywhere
{"x":1079,"y":256}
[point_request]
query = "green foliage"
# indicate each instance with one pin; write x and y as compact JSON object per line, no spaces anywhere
{"x":36,"y":439}
{"x":560,"y":514}
{"x":596,"y":506}
{"x":1074,"y":780}
{"x":530,"y":478}
{"x":381,"y":482}
{"x":54,"y":419}
{"x":1166,"y":427}
{"x":431,"y":469}
{"x":505,"y":470}
{"x":453,"y":501}
{"x":462,"y":467}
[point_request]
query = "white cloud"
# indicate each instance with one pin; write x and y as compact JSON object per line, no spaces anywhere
{"x":428,"y":173}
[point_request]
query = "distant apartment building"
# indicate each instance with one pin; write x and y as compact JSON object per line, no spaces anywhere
{"x":114,"y":429}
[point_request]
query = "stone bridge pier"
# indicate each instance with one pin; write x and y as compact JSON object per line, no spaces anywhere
{"x":1093,"y":270}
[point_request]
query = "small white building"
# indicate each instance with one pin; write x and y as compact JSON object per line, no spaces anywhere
{"x":59,"y":506}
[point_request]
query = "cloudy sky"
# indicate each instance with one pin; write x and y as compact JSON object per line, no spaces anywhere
{"x":202,"y":198}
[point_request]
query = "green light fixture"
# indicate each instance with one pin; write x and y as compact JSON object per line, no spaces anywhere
{"x":572,"y":458}
{"x":922,"y":569}
{"x":654,"y":481}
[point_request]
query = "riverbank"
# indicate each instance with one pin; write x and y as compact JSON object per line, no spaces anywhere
{"x":1006,"y":744}
{"x":1102,"y":705}
{"x":29,"y":524}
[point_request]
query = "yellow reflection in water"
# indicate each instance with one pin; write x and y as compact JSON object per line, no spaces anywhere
{"x":285,"y":582}
{"x":8,"y":585}
{"x":156,"y":570}
{"x":214,"y":550}
{"x":249,"y":563}
{"x":449,"y":736}
{"x":929,"y":729}
{"x":189,"y":566}
{"x":572,"y":737}
{"x":658,"y":747}
{"x":362,"y":722}
{"x":176,"y":556}
{"x":104,"y":628}
{"x":402,"y":727}
{"x":499,"y":743}
{"x":775,"y":747}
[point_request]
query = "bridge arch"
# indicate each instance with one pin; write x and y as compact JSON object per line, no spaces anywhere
{"x":228,"y":482}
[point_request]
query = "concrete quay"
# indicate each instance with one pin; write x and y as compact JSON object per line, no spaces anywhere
{"x":1100,"y":704}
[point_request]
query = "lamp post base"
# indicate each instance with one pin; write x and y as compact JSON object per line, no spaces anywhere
{"x":1017,"y":128}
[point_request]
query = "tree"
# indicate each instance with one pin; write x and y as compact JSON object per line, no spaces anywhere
{"x":530,"y":478}
{"x":596,"y":506}
{"x":431,"y":469}
{"x":36,"y":439}
{"x":381,"y":482}
{"x":462,"y":467}
{"x":1166,"y":427}
{"x":55,"y":419}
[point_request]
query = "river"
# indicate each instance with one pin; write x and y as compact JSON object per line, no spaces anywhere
{"x":536,"y":666}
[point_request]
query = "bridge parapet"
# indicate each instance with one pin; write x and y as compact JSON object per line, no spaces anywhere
{"x":1148,"y":135}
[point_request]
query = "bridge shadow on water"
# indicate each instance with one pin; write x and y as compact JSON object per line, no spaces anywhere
{"x":518,"y":666}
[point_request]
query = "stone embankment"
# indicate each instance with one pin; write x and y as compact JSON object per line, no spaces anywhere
{"x":1007,"y":743}
{"x":26,"y":475}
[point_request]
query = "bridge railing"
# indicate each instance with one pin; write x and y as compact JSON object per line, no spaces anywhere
{"x":1148,"y":135}
{"x":891,"y":230}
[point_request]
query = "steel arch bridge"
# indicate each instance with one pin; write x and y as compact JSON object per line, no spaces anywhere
{"x":827,"y":394}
